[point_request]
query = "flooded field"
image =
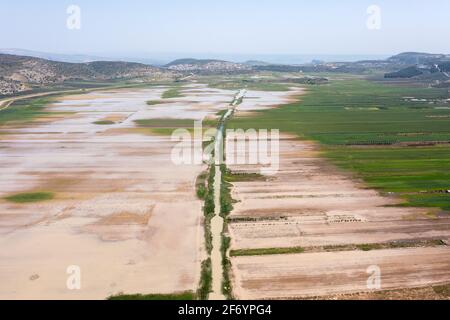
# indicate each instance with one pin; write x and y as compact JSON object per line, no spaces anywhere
{"x":121,"y":210}
{"x":117,"y":207}
{"x":92,"y":186}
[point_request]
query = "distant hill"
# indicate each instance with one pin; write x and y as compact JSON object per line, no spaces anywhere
{"x":412,"y":58}
{"x":421,"y":66}
{"x":408,"y":72}
{"x":82,"y":58}
{"x":72,"y":58}
{"x":207,"y":66}
{"x":20,"y":73}
{"x":256,"y":63}
{"x":191,"y":61}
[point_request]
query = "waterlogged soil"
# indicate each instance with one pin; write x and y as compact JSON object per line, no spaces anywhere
{"x":122,"y":211}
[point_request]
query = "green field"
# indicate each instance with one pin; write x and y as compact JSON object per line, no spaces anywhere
{"x":334,"y":248}
{"x":419,"y":174}
{"x":250,"y":85}
{"x":165,"y":123}
{"x":167,"y":126}
{"x":27,"y":109}
{"x":29,"y":197}
{"x":376,"y":131}
{"x":104,"y":122}
{"x":22,"y":111}
{"x":265,"y":251}
{"x":358,"y":112}
{"x":172,"y":93}
{"x":156,"y":102}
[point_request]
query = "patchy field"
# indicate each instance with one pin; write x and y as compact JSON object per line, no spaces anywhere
{"x":310,"y":203}
{"x":119,"y":208}
{"x":309,"y":207}
{"x":312,"y":230}
{"x":86,"y":183}
{"x":395,"y":143}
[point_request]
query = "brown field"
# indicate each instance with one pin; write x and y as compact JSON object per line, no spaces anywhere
{"x":328,"y":273}
{"x":312,"y":205}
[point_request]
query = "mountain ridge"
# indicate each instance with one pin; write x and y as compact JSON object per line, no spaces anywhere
{"x":207,"y":66}
{"x":21,"y":73}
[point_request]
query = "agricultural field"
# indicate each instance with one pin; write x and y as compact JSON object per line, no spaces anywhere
{"x":396,"y":138}
{"x":363,"y":176}
{"x":89,"y":177}
{"x":24,"y":110}
{"x":363,"y":181}
{"x":85,"y":179}
{"x":359,"y":112}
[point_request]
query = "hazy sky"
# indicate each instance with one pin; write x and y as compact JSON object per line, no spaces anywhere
{"x":227,"y":26}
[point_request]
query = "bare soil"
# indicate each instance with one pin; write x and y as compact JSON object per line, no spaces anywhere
{"x":309,"y":203}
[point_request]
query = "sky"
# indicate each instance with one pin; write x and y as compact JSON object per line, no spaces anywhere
{"x":327,"y":27}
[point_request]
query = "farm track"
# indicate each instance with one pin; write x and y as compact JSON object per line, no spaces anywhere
{"x":217,"y":222}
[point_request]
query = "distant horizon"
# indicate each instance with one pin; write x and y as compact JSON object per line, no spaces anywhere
{"x":161,"y":58}
{"x":165,"y":57}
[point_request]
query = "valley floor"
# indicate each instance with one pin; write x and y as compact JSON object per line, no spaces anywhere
{"x":90,"y":184}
